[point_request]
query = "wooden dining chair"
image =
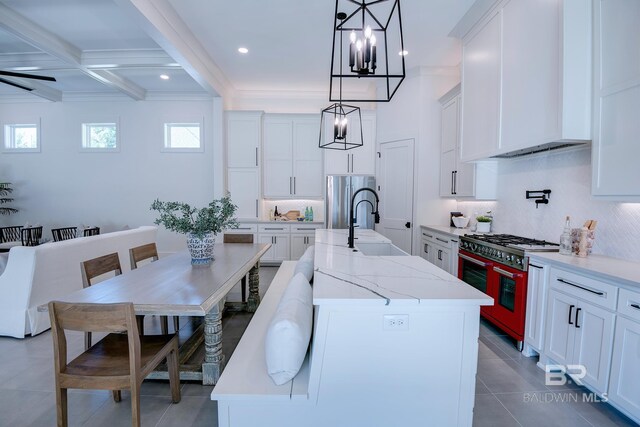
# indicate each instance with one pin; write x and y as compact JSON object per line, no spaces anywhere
{"x":64,"y":233}
{"x":97,"y":267}
{"x":143,"y":253}
{"x":92,"y":231}
{"x":31,"y":236}
{"x":10,"y":234}
{"x":117,"y":362}
{"x":239,"y":238}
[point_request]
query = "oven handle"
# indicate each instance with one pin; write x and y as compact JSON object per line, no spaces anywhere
{"x":506,"y":273}
{"x":474,"y":261}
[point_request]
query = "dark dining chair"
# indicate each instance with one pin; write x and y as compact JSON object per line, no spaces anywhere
{"x":10,"y":234}
{"x":150,"y":252}
{"x":64,"y":233}
{"x":239,"y":238}
{"x":92,"y":231}
{"x":31,"y":236}
{"x":117,"y":362}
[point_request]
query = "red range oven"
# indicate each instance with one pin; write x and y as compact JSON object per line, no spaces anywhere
{"x":497,"y":266}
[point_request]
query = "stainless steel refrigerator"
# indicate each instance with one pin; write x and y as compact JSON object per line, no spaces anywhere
{"x":338,"y":201}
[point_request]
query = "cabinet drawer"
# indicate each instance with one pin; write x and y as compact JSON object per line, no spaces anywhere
{"x":243,"y":228}
{"x":586,"y":288}
{"x":438,"y":239}
{"x":305,"y":228}
{"x":629,"y":304}
{"x":274,"y":228}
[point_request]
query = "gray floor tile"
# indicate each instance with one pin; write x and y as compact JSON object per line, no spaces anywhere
{"x":198,"y":390}
{"x":489,"y":412}
{"x":489,"y":350}
{"x":507,"y":376}
{"x":542,"y":408}
{"x":191,"y":411}
{"x":112,"y":413}
{"x":481,"y":388}
{"x":600,"y":414}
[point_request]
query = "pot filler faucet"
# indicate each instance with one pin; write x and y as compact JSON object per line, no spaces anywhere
{"x":354,"y":209}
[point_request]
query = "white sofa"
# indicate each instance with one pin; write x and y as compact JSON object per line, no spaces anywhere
{"x":36,"y":275}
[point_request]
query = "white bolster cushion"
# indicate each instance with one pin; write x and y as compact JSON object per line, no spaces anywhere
{"x":305,"y":264}
{"x":289,"y":332}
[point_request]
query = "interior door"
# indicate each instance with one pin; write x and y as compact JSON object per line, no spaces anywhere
{"x":395,"y":187}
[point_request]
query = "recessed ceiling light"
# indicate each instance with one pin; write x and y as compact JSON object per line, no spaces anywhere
{"x":243,"y":50}
{"x":403,"y":53}
{"x":164,"y":77}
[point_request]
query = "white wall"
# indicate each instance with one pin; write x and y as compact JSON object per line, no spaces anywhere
{"x":414,"y":113}
{"x":61,"y":186}
{"x":568,"y":175}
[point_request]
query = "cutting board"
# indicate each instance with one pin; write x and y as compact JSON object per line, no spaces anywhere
{"x":292,"y":215}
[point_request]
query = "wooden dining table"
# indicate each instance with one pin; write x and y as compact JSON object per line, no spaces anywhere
{"x":171,"y":286}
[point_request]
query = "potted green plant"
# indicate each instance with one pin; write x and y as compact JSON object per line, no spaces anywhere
{"x":484,"y":224}
{"x":200,"y":225}
{"x":6,"y":190}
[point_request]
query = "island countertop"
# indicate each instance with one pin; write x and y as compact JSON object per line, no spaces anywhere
{"x":344,"y":276}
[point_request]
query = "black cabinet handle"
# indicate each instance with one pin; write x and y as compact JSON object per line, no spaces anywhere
{"x":426,"y":248}
{"x":580,"y":287}
{"x":256,"y":156}
{"x":577,"y":314}
{"x":636,"y":306}
{"x":440,"y":254}
{"x":536,"y":266}
{"x":455,"y":182}
{"x":443,"y":241}
{"x":452,"y":183}
{"x":571,"y":311}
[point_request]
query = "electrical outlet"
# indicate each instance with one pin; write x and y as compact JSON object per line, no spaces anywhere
{"x":396,"y":322}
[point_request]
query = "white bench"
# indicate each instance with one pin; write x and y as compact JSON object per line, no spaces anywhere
{"x":36,"y":275}
{"x":245,"y":381}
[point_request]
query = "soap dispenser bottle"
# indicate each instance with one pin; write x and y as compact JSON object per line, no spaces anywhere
{"x":565,"y":238}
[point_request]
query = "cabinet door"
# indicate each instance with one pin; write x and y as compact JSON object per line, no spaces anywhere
{"x":481,"y":91}
{"x":424,"y":251}
{"x":278,"y":149}
{"x":298,"y":245}
{"x":270,"y":254}
{"x":363,"y":159}
{"x":560,"y":330}
{"x":450,"y":126}
{"x":447,"y":173}
{"x":465,"y":179}
{"x":624,"y":387}
{"x":593,"y":343}
{"x":244,"y":186}
{"x":536,"y":292}
{"x":282,"y":247}
{"x":445,"y":260}
{"x":307,"y":159}
{"x":243,"y":139}
{"x":616,"y":99}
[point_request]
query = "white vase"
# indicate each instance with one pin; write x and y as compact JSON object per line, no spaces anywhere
{"x":201,"y":249}
{"x":483,"y":227}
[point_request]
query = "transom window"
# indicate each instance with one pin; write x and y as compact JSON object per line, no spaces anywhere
{"x":183,"y":137}
{"x":21,"y":137}
{"x":100,"y":136}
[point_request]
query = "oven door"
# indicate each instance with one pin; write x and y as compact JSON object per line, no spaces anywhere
{"x":510,"y":298}
{"x":477,"y":272}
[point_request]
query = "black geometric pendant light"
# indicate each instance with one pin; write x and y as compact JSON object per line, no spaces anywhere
{"x":368,"y":47}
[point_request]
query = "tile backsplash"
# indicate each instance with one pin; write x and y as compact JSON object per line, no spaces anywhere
{"x":568,"y":175}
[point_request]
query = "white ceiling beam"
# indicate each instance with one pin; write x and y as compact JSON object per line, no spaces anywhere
{"x":39,"y":89}
{"x":53,"y":45}
{"x":166,"y":28}
{"x":123,"y":58}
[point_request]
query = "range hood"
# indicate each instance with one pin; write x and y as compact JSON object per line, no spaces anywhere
{"x":540,"y":148}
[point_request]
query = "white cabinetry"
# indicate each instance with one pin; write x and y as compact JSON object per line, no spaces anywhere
{"x":537,"y":284}
{"x":616,"y":100}
{"x":280,"y":239}
{"x":357,"y":161}
{"x":518,"y":90}
{"x":624,"y":387}
{"x":440,"y":249}
{"x":244,"y":133}
{"x":459,"y":179}
{"x":302,"y":236}
{"x":580,"y":323}
{"x":292,"y":159}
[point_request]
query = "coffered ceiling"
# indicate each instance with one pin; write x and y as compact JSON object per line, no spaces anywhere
{"x":119,"y":48}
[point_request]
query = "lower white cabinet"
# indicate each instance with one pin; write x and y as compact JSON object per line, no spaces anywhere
{"x":299,"y":244}
{"x":280,"y":246}
{"x":624,"y":387}
{"x":536,"y":296}
{"x":440,"y":249}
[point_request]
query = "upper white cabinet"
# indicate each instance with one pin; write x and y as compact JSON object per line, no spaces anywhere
{"x":243,"y":136}
{"x":525,"y":77}
{"x":357,"y":161}
{"x":292,"y":159}
{"x":459,"y":179}
{"x":616,"y":99}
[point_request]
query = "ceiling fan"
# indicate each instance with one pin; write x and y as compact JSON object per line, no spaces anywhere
{"x":22,"y":76}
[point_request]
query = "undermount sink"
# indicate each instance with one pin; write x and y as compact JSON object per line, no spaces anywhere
{"x":380,"y":249}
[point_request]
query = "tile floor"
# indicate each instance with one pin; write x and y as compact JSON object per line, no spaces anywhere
{"x":510,"y":388}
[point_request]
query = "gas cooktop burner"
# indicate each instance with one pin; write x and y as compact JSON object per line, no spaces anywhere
{"x":509,"y":240}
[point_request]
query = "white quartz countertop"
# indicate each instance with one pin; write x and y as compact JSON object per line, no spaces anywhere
{"x":612,"y":269}
{"x":451,"y":231}
{"x":279,"y":221}
{"x":343,"y":276}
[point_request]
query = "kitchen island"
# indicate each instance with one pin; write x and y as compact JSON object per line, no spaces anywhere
{"x":395,"y":342}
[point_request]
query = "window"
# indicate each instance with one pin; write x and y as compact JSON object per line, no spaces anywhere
{"x":183,"y":137}
{"x":100,"y":136}
{"x":21,"y":137}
